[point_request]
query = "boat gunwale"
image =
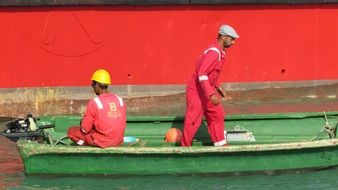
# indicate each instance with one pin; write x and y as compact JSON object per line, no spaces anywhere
{"x":230,"y":117}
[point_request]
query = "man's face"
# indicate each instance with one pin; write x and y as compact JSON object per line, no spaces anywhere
{"x":228,"y":41}
{"x":95,"y":87}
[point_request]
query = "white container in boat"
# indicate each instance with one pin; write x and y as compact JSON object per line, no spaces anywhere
{"x":129,"y":139}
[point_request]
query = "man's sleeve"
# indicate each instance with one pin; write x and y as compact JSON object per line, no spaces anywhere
{"x":218,"y":83}
{"x":88,"y":119}
{"x":206,"y":67}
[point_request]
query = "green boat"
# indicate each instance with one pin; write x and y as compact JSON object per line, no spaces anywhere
{"x":258,"y":143}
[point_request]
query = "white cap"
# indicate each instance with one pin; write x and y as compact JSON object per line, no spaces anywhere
{"x":228,"y":30}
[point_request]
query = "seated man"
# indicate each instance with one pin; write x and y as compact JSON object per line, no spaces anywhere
{"x":104,"y":121}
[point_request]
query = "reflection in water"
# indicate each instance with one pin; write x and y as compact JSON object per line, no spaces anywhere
{"x":307,"y":180}
{"x":11,"y":166}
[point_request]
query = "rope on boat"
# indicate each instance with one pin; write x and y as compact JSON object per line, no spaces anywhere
{"x":60,"y":141}
{"x":327,"y":128}
{"x":48,"y":135}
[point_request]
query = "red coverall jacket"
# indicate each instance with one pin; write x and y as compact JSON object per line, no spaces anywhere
{"x":199,"y":88}
{"x":103,"y":124}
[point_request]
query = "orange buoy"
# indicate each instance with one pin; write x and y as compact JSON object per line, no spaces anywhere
{"x":173,"y":135}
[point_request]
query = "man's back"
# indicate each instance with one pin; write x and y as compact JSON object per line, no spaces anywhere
{"x":106,"y":117}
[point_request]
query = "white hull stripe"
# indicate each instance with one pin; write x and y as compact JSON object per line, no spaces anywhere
{"x":203,"y":77}
{"x":214,"y":49}
{"x":98,"y":103}
{"x":220,"y":143}
{"x":120,"y":100}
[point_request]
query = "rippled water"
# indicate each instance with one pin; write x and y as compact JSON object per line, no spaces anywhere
{"x":310,"y":180}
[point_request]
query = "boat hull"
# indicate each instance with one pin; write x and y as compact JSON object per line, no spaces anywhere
{"x":289,"y":141}
{"x":46,"y":159}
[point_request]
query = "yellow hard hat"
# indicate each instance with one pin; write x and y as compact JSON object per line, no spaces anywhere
{"x":101,"y":76}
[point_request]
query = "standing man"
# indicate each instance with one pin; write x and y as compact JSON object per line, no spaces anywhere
{"x":104,"y":121}
{"x":204,"y":92}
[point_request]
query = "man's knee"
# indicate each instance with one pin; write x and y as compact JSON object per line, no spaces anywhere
{"x":73,"y":132}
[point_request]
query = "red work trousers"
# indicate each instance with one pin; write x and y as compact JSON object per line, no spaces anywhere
{"x":77,"y":135}
{"x":197,"y":106}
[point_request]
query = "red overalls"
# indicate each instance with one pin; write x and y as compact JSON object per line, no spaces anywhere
{"x":199,"y":88}
{"x":103,"y":124}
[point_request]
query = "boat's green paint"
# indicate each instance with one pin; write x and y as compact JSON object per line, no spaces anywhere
{"x":282,"y":143}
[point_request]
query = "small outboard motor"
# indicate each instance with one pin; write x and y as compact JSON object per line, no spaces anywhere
{"x":18,"y":125}
{"x":24,"y":128}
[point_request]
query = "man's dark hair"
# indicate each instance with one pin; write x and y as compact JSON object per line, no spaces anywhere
{"x":101,"y":85}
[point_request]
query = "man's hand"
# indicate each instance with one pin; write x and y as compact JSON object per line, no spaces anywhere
{"x":222,"y":93}
{"x":214,"y":99}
